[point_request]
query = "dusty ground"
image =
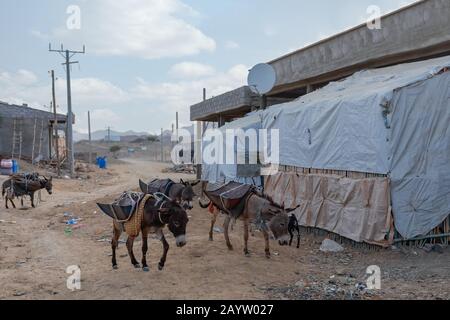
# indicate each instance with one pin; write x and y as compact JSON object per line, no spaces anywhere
{"x":35,"y":251}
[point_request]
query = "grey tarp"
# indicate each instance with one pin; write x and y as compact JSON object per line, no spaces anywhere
{"x":420,"y":152}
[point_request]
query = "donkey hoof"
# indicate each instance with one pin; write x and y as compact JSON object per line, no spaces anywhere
{"x":247,"y":254}
{"x":115,"y":267}
{"x":160,"y":266}
{"x":211,"y":239}
{"x":230,"y":248}
{"x":137,"y":266}
{"x":146,"y":269}
{"x":268,"y":256}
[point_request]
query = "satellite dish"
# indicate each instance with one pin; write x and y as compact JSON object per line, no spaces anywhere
{"x":262,"y":78}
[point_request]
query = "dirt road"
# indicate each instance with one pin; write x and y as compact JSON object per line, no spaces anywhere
{"x":35,"y":251}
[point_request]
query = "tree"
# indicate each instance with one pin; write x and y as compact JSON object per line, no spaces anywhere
{"x":114,"y":150}
{"x":153,"y":139}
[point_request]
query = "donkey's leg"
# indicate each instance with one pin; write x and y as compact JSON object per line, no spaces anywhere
{"x":6,"y":202}
{"x":145,"y":250}
{"x":114,"y":244}
{"x":226,"y":226}
{"x":246,"y":235}
{"x":32,"y":200}
{"x":291,"y":234}
{"x":166,"y":249}
{"x":12,"y":202}
{"x":298,"y":238}
{"x":266,"y":239}
{"x":213,"y":222}
{"x":130,"y":242}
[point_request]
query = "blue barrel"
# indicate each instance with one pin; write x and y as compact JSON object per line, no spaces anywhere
{"x":15,"y":168}
{"x":101,"y":162}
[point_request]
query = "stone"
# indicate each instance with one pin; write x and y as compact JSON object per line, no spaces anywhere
{"x":331,"y":246}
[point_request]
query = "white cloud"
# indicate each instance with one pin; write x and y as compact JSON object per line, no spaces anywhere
{"x":145,"y":106}
{"x":191,"y":70}
{"x":169,"y":97}
{"x":147,"y":29}
{"x":231,"y":45}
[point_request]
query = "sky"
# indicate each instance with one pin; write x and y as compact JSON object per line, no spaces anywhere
{"x":148,"y":59}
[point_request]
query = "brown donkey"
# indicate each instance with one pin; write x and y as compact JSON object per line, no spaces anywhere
{"x":18,"y":186}
{"x":268,"y":217}
{"x":182,"y":192}
{"x":156,"y":215}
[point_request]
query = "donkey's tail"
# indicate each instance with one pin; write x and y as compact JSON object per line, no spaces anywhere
{"x":202,"y":205}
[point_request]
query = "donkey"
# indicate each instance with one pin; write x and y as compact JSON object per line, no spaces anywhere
{"x":182,"y":192}
{"x":17,"y":187}
{"x":262,"y":212}
{"x":156,"y":217}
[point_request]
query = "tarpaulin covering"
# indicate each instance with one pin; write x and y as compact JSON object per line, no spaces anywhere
{"x":356,"y":209}
{"x":392,"y":121}
{"x":420,"y":156}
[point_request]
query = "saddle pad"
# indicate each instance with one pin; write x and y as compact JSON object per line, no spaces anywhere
{"x":123,"y":208}
{"x":231,"y":191}
{"x":159,"y":186}
{"x":230,"y":198}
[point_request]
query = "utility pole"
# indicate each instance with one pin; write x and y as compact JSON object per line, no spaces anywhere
{"x":162,"y":145}
{"x":55,"y":124}
{"x":90,"y":137}
{"x":67,"y":55}
{"x":198,"y":144}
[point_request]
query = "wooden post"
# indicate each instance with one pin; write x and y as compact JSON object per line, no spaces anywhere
{"x":55,"y":125}
{"x":34,"y":141}
{"x":162,"y":145}
{"x":90,"y":137}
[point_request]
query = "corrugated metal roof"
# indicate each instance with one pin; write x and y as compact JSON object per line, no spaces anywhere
{"x":25,"y":112}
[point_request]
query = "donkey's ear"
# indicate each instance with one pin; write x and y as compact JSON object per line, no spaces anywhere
{"x":143,"y":186}
{"x":164,"y":210}
{"x":195,"y":183}
{"x":182,"y":182}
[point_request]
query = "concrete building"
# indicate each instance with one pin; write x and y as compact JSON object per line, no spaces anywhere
{"x":416,"y":32}
{"x":28,"y":133}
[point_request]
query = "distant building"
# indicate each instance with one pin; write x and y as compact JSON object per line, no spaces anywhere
{"x":113,"y":139}
{"x":28,"y":133}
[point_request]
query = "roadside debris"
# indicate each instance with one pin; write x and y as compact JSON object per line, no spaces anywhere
{"x":433,"y":248}
{"x":8,"y":222}
{"x":182,"y":168}
{"x":218,"y":230}
{"x":331,"y":246}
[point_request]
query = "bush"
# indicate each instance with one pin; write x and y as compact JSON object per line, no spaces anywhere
{"x":115,"y":149}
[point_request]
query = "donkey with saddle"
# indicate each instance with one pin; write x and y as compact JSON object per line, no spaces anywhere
{"x":136,"y":213}
{"x":19,"y":186}
{"x":245,"y":202}
{"x":182,"y":192}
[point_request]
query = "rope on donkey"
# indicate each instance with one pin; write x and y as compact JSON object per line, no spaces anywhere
{"x":133,"y":226}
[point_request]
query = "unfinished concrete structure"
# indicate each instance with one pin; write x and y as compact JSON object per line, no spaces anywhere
{"x":416,"y":32}
{"x":27,"y":133}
